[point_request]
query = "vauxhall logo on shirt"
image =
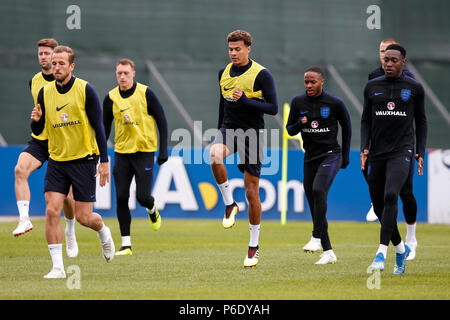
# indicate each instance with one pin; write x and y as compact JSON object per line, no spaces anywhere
{"x":66,"y":122}
{"x":315,"y":128}
{"x":391,"y":111}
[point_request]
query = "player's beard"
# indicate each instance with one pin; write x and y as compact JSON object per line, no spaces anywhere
{"x":61,"y":78}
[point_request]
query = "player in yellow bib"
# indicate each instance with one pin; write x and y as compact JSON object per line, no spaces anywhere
{"x":69,"y":113}
{"x":247,"y":93}
{"x":136,"y":112}
{"x":36,"y":153}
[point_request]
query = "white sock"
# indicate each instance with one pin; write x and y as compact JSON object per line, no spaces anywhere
{"x":24,"y":207}
{"x":400,"y":248}
{"x":227,"y":196}
{"x":383,"y":249}
{"x":410,"y":233}
{"x":330,"y":252}
{"x":126,"y":241}
{"x":103,"y":234}
{"x":254,"y":235}
{"x":70,"y":225}
{"x":152,"y":210}
{"x":56,"y":254}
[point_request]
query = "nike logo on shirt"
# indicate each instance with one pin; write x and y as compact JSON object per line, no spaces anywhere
{"x":122,"y":110}
{"x":377,"y":93}
{"x":58,"y":109}
{"x":226,"y":89}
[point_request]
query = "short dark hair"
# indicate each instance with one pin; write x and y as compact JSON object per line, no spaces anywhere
{"x":238,"y":35}
{"x":397,"y":47}
{"x":315,"y":69}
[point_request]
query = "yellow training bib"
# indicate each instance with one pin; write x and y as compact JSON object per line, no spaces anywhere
{"x":70,"y":135}
{"x":245,"y":82}
{"x":135,"y":129}
{"x":37,"y":82}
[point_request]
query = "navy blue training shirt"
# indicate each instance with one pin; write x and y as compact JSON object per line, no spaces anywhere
{"x":319,"y":134}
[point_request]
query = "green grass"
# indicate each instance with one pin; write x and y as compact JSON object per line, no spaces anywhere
{"x":199,"y":260}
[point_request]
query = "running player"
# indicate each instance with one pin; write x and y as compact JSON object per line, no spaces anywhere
{"x":406,"y":193}
{"x":393,"y":104}
{"x":136,"y":111}
{"x":69,"y":112}
{"x":316,"y":115}
{"x":247,"y":92}
{"x":36,"y":153}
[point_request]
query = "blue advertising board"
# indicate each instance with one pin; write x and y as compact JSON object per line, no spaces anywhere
{"x":184,"y":187}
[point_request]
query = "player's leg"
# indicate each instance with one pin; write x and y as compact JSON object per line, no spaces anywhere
{"x":56,"y":188}
{"x":370,"y":216}
{"x":69,"y":217}
{"x":309,"y":174}
{"x":53,"y":232}
{"x":251,"y":183}
{"x":377,"y":181}
{"x":26,"y":164}
{"x":410,"y":212}
{"x":326,"y":173}
{"x":123,"y":175}
{"x":218,"y":152}
{"x":396,"y":174}
{"x":143,"y":167}
{"x":82,"y":178}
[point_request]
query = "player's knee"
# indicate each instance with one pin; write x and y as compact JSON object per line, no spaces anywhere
{"x":52,"y":213}
{"x":215,"y":155}
{"x":122,"y":199}
{"x":252,"y":193}
{"x":390,"y":198}
{"x":82,"y":219}
{"x":20,"y":172}
{"x":318,"y":193}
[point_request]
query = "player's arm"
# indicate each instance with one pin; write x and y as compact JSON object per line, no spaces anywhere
{"x":155,"y":109}
{"x":366,"y":122}
{"x":108,"y":115}
{"x":94,"y":114}
{"x":294,"y":123}
{"x":421,"y":127}
{"x":38,"y":115}
{"x":264,"y":81}
{"x":346,"y":125}
{"x":221,"y":102}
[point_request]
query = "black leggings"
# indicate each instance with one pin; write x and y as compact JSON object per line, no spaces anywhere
{"x":406,"y":195}
{"x":386,"y":178}
{"x":318,"y":176}
{"x":139,"y":165}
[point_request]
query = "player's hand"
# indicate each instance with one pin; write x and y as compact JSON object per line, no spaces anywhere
{"x":162,"y":158}
{"x":237,"y":94}
{"x":363,"y":158}
{"x":419,"y":164}
{"x":103,"y":171}
{"x":36,"y":114}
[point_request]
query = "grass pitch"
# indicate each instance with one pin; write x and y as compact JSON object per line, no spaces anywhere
{"x":199,"y":260}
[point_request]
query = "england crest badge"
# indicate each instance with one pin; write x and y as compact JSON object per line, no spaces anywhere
{"x":405,"y":94}
{"x":325,"y":112}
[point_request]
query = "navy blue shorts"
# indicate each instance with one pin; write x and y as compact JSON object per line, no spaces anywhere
{"x":38,"y":149}
{"x":249,"y":144}
{"x":80,"y":174}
